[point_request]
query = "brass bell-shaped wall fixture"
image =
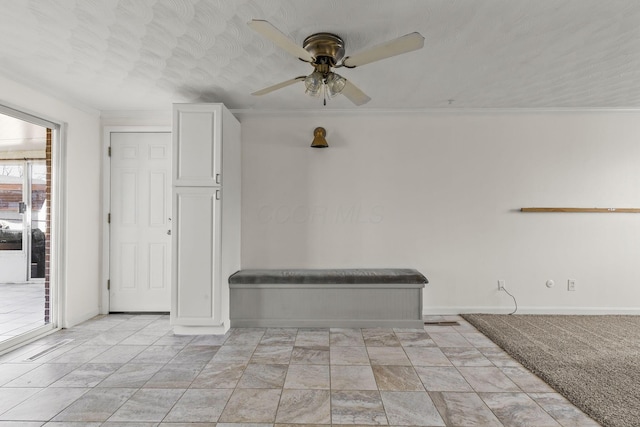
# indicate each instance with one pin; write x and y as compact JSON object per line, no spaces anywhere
{"x":318,"y":138}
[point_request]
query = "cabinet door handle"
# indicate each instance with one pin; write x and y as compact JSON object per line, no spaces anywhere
{"x":217,"y":178}
{"x":217,"y":194}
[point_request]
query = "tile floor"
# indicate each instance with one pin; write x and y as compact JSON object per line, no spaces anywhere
{"x":21,"y":308}
{"x":130,"y":370}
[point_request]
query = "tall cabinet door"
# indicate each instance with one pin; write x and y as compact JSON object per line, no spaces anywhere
{"x":206,"y":226}
{"x":197,"y":145}
{"x":196,"y":271}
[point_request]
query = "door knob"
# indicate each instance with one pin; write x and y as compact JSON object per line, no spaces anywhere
{"x":168,"y":232}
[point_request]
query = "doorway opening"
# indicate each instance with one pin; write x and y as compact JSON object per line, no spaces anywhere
{"x":27,"y":226}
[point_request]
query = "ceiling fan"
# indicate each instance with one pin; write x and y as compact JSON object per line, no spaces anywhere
{"x":325,"y":51}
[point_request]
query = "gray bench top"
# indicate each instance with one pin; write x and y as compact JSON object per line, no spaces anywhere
{"x":329,"y":276}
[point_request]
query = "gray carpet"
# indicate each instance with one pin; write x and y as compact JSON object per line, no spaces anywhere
{"x":594,"y":361}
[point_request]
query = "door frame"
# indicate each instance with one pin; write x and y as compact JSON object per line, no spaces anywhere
{"x":106,"y":201}
{"x":58,"y":234}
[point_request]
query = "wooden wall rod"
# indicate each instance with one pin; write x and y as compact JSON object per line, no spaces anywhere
{"x":596,"y":210}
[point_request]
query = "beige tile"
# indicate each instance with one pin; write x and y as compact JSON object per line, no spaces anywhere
{"x":195,"y":355}
{"x":312,"y":338}
{"x":562,"y":410}
{"x":131,"y":375}
{"x":310,"y":355}
{"x":157,"y":354}
{"x":87,"y":375}
{"x":415,"y":339}
{"x":199,"y":406}
{"x":464,"y":409}
{"x":526,"y":380}
{"x":219,"y":375}
{"x":252,"y":406}
{"x":147,"y":405}
{"x":340,"y":337}
{"x":388,"y":356}
{"x":304,"y":407}
{"x":173,"y":376}
{"x":397,"y":378}
{"x":357,"y":407}
{"x":488,"y":379}
{"x":263,"y":376}
{"x":427,"y":356}
{"x":349,"y":356}
{"x":95,"y":405}
{"x":410,"y":408}
{"x":380,"y":337}
{"x":498,"y":357}
{"x":301,"y":377}
{"x":352,"y":378}
{"x":464,"y":356}
{"x":452,"y":339}
{"x":43,"y":375}
{"x":10,"y":397}
{"x":478,"y":340}
{"x":279,"y":336}
{"x":307,"y":377}
{"x":119,"y":354}
{"x":442,"y":378}
{"x":272,"y":354}
{"x":244,"y":337}
{"x":517,"y":409}
{"x":233,"y":354}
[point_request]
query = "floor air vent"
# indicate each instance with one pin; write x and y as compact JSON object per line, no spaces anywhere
{"x":49,"y":350}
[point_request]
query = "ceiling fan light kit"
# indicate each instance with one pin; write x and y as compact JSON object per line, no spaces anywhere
{"x":324,"y":51}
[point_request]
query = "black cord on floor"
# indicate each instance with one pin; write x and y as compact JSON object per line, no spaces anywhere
{"x":514,"y":300}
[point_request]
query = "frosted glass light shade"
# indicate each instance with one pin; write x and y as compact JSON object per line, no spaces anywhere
{"x":335,"y":84}
{"x":313,"y":83}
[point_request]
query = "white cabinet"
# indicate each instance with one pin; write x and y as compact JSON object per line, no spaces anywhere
{"x":206,"y":216}
{"x":197,"y":144}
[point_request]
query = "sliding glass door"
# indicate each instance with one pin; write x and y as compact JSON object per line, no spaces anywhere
{"x":13,"y":230}
{"x":23,"y":221}
{"x":27,"y":228}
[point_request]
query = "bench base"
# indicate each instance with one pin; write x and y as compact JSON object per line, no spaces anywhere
{"x":326,"y":305}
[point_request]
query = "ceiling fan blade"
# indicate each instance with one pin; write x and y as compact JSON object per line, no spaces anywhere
{"x":279,"y":39}
{"x":404,"y":44}
{"x":354,"y":94}
{"x":278,"y":86}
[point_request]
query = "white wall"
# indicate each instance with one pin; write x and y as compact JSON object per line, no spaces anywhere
{"x":441,"y":193}
{"x":80,"y":290}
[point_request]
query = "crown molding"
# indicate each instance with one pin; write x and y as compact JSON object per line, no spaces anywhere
{"x":434,"y":111}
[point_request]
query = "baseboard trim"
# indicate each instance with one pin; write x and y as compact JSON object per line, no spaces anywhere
{"x":201,"y":330}
{"x":76,"y":320}
{"x":431,"y":311}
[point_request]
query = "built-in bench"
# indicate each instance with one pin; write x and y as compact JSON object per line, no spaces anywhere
{"x":347,"y":298}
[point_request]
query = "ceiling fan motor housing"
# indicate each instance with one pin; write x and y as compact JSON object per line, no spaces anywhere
{"x":326,"y":48}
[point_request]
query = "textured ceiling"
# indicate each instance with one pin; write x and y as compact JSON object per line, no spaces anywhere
{"x":146,"y":54}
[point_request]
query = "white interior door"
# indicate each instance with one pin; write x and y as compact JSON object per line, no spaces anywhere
{"x":140,"y":241}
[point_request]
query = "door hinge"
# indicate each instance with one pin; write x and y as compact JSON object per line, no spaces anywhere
{"x":109,"y":218}
{"x":109,"y":151}
{"x":109,"y":284}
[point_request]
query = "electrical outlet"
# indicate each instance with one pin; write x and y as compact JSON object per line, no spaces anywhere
{"x":501,"y":285}
{"x":571,"y":285}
